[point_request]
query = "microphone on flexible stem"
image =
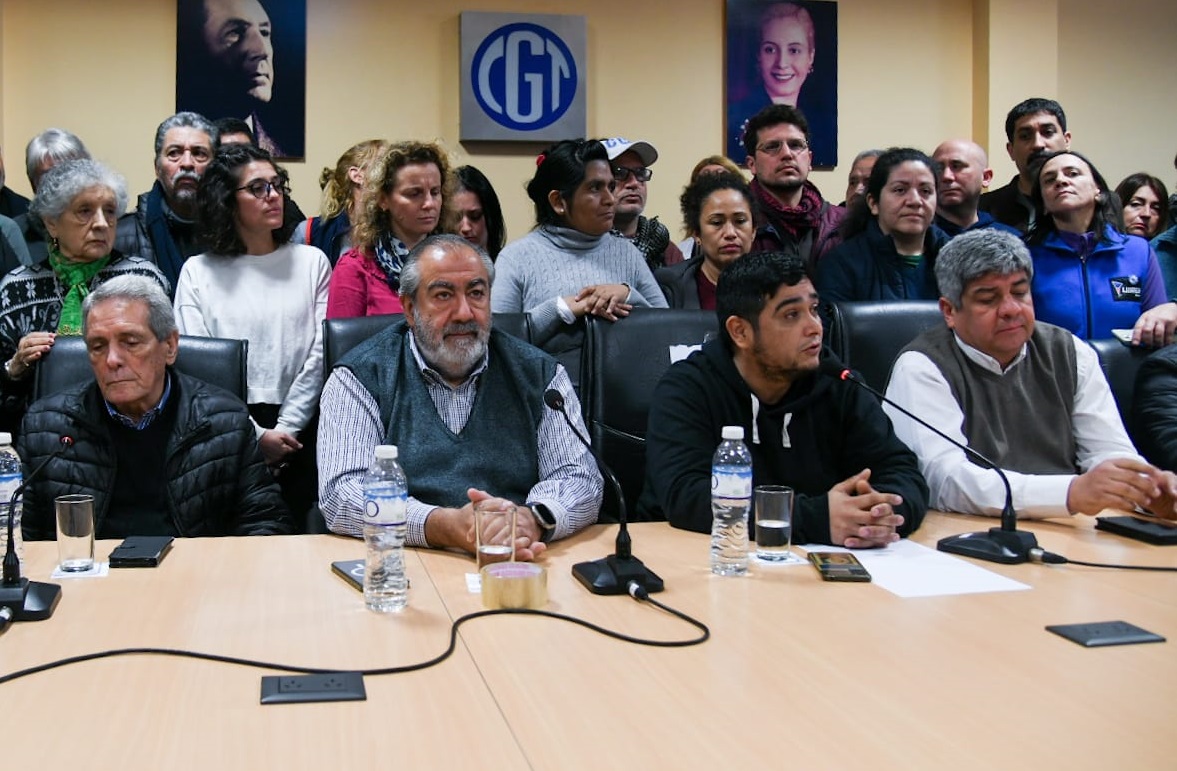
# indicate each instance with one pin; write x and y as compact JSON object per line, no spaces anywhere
{"x":1004,"y":544}
{"x":615,"y":573}
{"x":26,"y":600}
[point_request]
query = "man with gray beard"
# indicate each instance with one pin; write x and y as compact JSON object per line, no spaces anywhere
{"x":162,"y":229}
{"x":465,"y":406}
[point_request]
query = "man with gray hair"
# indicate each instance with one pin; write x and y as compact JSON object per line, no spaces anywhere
{"x":161,"y":452}
{"x":49,"y":148}
{"x":162,"y":229}
{"x":465,"y":406}
{"x":1030,"y":397}
{"x":859,"y":175}
{"x":44,"y":151}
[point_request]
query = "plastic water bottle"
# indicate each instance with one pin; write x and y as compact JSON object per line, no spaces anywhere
{"x":385,"y":498}
{"x":731,"y":498}
{"x":10,"y":479}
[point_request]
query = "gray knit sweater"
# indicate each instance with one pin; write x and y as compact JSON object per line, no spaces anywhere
{"x":552,"y":262}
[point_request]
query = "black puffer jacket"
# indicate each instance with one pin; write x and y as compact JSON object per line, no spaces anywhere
{"x":217,"y":482}
{"x":1154,"y":410}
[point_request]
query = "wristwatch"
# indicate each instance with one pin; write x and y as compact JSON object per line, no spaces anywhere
{"x":545,"y":519}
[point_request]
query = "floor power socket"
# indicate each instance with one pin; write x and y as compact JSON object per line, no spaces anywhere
{"x":302,"y":689}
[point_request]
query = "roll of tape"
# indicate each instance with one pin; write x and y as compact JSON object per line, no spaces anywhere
{"x":514,"y":585}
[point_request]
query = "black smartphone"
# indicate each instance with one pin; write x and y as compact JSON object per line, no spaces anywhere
{"x":141,"y":551}
{"x":351,"y":571}
{"x":838,"y":566}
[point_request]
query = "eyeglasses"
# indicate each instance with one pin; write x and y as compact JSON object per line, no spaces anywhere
{"x":260,"y":188}
{"x":641,"y":174}
{"x":796,"y":146}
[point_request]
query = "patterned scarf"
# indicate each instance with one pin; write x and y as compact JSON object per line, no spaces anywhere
{"x":651,"y":239}
{"x":77,"y":277}
{"x":390,"y":256}
{"x":791,"y":220}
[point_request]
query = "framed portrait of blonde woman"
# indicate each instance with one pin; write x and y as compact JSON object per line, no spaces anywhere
{"x":783,"y":53}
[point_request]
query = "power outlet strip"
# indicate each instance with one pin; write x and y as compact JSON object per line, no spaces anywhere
{"x":302,"y":689}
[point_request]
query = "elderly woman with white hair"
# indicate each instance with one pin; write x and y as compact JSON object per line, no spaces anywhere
{"x":78,"y":203}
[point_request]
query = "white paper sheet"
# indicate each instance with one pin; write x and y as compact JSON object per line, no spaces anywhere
{"x":909,"y":569}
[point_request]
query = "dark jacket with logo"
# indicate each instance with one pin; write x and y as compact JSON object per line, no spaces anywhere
{"x":1108,"y":289}
{"x":217,"y":482}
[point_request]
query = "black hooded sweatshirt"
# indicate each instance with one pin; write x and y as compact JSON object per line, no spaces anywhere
{"x":822,"y":432}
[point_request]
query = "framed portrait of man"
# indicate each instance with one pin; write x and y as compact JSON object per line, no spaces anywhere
{"x":246,"y":59}
{"x":783,"y":53}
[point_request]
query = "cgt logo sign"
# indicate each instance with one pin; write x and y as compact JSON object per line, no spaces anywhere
{"x":522,"y":77}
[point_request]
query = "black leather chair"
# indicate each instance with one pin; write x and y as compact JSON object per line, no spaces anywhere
{"x":873,"y":334}
{"x":341,"y":335}
{"x":214,"y":360}
{"x":1120,"y":363}
{"x":623,"y":363}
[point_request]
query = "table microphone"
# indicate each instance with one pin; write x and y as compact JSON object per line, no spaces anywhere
{"x":612,"y":574}
{"x":1004,"y":544}
{"x":27,"y":600}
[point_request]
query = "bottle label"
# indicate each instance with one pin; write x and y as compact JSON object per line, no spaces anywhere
{"x":389,"y":510}
{"x":8,"y":485}
{"x":731,"y":483}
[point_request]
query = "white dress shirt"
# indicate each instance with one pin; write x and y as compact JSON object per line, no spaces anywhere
{"x":955,"y":482}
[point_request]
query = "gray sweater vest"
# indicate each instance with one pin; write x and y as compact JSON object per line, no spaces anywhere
{"x":496,"y":450}
{"x":1020,"y":420}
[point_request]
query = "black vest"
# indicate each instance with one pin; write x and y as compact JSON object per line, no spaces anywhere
{"x":1021,"y":420}
{"x":497,"y":448}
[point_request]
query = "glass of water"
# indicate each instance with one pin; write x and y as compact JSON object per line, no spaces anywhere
{"x":75,"y":532}
{"x":772,"y":505}
{"x":494,"y":531}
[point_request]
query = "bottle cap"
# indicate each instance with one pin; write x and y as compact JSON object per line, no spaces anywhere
{"x":733,"y":432}
{"x":386,"y":451}
{"x":5,"y":437}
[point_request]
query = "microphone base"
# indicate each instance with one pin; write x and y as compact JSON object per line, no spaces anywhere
{"x":612,"y":575}
{"x":30,"y":600}
{"x":1009,"y":547}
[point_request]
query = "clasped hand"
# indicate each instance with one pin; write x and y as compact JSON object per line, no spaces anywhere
{"x":861,"y":517}
{"x":604,"y":300}
{"x":528,"y":544}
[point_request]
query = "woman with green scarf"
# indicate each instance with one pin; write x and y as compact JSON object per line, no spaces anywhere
{"x":78,"y":203}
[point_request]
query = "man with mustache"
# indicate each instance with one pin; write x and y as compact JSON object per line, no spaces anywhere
{"x":964,"y":175}
{"x":465,"y":406}
{"x":162,"y":229}
{"x":631,"y":163}
{"x":1028,"y":395}
{"x":791,"y":215}
{"x":1033,"y":129}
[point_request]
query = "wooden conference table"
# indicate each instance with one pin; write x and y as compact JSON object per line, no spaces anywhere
{"x":798,"y":673}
